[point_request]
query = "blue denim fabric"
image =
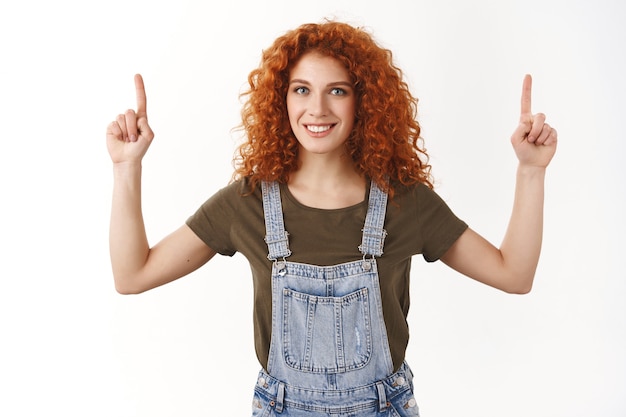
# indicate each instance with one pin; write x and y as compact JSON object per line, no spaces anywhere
{"x":389,"y":397}
{"x":329,"y":352}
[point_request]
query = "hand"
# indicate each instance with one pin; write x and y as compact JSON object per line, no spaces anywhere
{"x":129,"y":136}
{"x":534,"y":141}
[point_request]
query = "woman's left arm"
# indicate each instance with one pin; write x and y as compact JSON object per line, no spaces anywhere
{"x":511,"y":268}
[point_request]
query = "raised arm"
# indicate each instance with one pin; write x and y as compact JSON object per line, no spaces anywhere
{"x":136,"y":266}
{"x":512,"y":267}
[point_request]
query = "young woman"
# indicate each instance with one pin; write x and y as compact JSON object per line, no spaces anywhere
{"x":332,"y":197}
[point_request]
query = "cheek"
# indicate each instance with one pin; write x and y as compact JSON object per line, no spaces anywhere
{"x":350,"y":109}
{"x":350,"y":114}
{"x":292,"y":112}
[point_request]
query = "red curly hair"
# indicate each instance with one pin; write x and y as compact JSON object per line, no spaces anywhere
{"x":385,"y":142}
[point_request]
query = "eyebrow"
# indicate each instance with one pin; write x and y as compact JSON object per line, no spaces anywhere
{"x":333,"y":84}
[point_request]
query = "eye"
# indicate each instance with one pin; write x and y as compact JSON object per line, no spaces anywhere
{"x":301,"y":90}
{"x":338,"y":91}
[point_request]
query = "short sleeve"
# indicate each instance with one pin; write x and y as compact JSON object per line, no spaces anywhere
{"x":213,"y":220}
{"x":439,"y":225}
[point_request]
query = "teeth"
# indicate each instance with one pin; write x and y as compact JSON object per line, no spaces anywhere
{"x":318,"y":129}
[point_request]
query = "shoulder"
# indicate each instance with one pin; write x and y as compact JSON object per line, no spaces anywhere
{"x":413,"y":194}
{"x":235,"y":192}
{"x":228,"y":202}
{"x":420,"y":204}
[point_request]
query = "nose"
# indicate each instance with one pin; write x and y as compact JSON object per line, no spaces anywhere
{"x":318,"y":107}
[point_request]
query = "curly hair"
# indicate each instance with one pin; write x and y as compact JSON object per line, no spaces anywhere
{"x":385,"y":142}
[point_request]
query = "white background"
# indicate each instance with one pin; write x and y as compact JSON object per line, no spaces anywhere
{"x":71,"y":346}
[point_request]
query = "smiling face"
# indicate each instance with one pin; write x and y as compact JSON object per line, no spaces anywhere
{"x":321,"y":104}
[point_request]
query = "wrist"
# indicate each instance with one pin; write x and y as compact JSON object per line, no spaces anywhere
{"x":127,"y":165}
{"x":127,"y":169}
{"x":531,"y":171}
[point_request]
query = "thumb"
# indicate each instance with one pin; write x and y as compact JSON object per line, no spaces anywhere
{"x":144,"y":129}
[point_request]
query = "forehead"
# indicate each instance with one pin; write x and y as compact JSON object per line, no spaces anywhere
{"x":312,"y":66}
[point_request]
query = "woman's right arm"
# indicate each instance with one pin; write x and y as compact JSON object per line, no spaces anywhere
{"x":136,"y":266}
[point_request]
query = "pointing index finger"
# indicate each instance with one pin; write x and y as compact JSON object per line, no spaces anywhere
{"x":141,"y":96}
{"x":526,"y":95}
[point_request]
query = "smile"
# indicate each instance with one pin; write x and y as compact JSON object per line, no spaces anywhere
{"x":318,"y":128}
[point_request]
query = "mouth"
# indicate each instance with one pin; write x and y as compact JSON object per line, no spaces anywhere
{"x":319,"y":129}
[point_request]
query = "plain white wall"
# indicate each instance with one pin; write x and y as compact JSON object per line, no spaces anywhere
{"x":71,"y":346}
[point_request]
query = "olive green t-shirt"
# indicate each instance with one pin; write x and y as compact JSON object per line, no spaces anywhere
{"x":417,"y":222}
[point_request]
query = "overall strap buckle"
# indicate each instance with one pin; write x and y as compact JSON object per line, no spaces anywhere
{"x":374,"y":234}
{"x":276,"y":237}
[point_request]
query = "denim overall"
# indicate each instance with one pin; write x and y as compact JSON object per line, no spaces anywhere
{"x":329,"y":353}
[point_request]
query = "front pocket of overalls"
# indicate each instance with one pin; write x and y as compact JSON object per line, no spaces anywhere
{"x":326,"y":334}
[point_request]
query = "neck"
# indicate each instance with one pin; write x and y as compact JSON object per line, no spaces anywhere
{"x":324,"y":170}
{"x":327,"y":183}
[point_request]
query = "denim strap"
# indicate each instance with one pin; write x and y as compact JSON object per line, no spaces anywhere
{"x":373,"y":232}
{"x":276,"y":236}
